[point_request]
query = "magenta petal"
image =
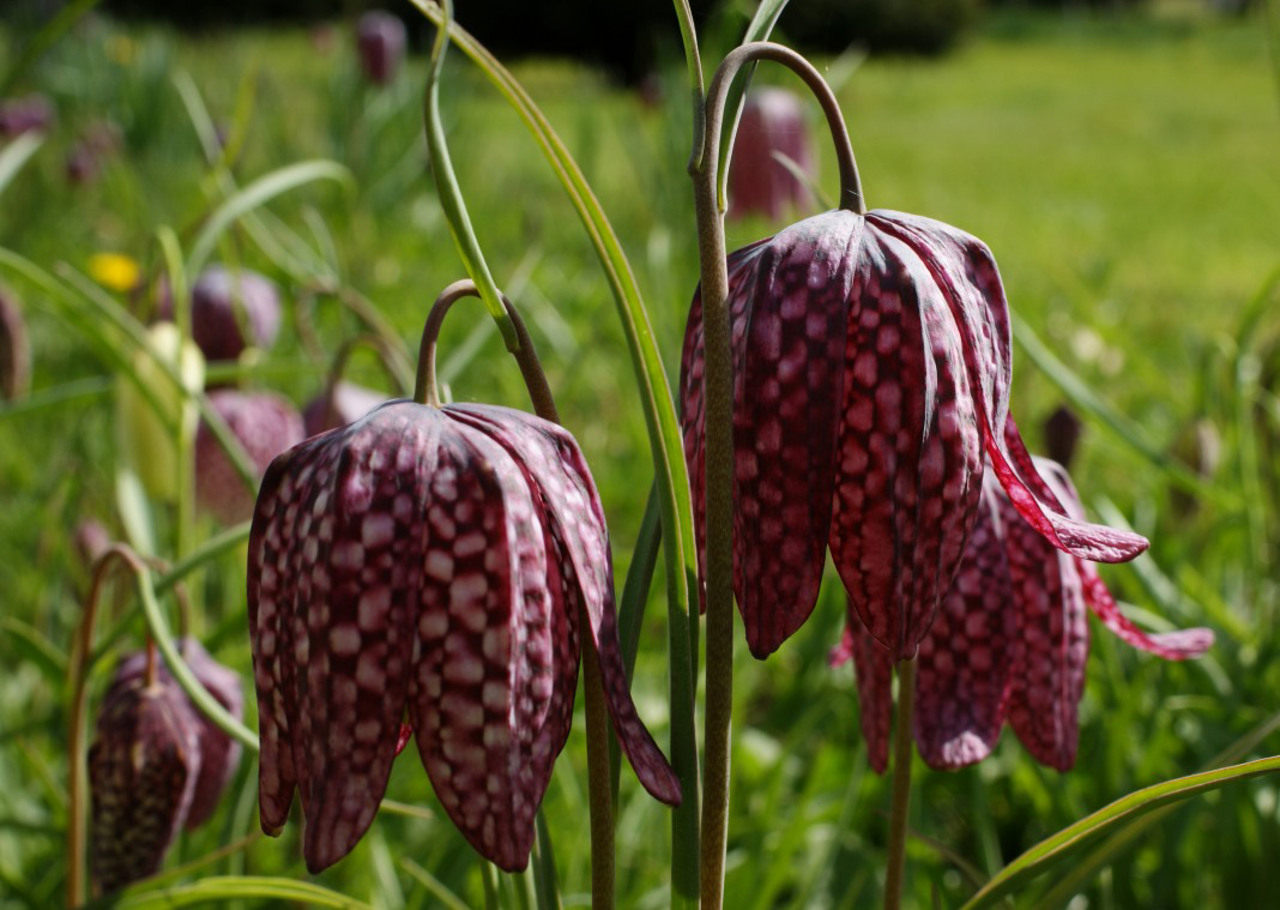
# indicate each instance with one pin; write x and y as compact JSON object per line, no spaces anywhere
{"x":481,"y":684}
{"x":573,"y":507}
{"x":873,"y":671}
{"x":963,"y":672}
{"x":1051,"y":645}
{"x":964,"y":269}
{"x":271,"y":603}
{"x":1178,"y":645}
{"x":786,"y":413}
{"x":908,"y":462}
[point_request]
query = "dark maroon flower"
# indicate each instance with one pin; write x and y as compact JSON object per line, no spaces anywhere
{"x":265,"y":424}
{"x":430,"y":561}
{"x":230,"y":310}
{"x":219,"y":753}
{"x":773,"y":122}
{"x":142,"y":777}
{"x":1062,"y":431}
{"x":338,"y":405}
{"x":32,"y":113}
{"x":15,"y":350}
{"x":1009,"y":642}
{"x":380,"y":40}
{"x":871,"y":370}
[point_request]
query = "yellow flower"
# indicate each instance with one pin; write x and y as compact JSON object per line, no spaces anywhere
{"x":116,"y":271}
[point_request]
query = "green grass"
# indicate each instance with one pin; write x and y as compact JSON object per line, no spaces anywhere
{"x":1122,"y":171}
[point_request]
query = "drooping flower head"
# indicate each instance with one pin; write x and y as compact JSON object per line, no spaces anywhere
{"x":219,"y":753}
{"x":773,"y":122}
{"x":265,"y":425}
{"x":871,"y":374}
{"x":1009,"y":643}
{"x":143,"y":766}
{"x":430,"y":561}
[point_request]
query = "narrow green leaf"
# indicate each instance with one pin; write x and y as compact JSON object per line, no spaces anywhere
{"x":256,"y":194}
{"x":32,"y":645}
{"x":134,"y":509}
{"x":207,"y":552}
{"x":51,"y":397}
{"x":434,"y":886}
{"x":17,"y":153}
{"x":1090,"y":402}
{"x":760,"y":28}
{"x":1047,"y":853}
{"x":220,"y":888}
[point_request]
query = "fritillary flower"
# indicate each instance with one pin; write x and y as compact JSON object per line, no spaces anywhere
{"x":871,"y":374}
{"x":1008,"y":644}
{"x":430,"y":562}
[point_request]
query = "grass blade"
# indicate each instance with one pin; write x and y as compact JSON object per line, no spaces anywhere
{"x":220,"y":888}
{"x":15,"y":155}
{"x":1050,"y":851}
{"x":256,"y":194}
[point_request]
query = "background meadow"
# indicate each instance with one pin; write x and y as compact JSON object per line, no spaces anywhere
{"x":1123,"y":168}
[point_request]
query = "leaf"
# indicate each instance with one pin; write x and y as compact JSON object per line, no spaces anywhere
{"x":1090,"y":402}
{"x":434,"y":886}
{"x":256,"y":194}
{"x":17,"y":153}
{"x":36,"y":649}
{"x":220,"y":888}
{"x":1049,"y":852}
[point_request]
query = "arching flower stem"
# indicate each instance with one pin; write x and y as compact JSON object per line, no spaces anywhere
{"x":598,"y":736}
{"x":719,"y":430}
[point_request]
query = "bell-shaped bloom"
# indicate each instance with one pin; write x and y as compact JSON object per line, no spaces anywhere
{"x":871,"y":370}
{"x":143,"y":766}
{"x":430,"y":562}
{"x":219,"y":753}
{"x":15,"y":351}
{"x":265,"y":425}
{"x":773,"y":123}
{"x":1009,"y":643}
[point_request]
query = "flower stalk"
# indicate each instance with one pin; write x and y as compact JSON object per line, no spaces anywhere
{"x":718,"y":377}
{"x":901,"y":794}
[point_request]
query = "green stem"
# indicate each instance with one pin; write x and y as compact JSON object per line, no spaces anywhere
{"x":693,"y":60}
{"x":901,"y":797}
{"x":455,"y":208}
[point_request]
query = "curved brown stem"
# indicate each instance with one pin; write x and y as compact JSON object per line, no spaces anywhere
{"x":425,"y":390}
{"x":81,"y":659}
{"x":851,"y":197}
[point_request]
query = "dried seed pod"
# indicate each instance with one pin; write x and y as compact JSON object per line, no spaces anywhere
{"x":233,"y":309}
{"x":219,"y":753}
{"x":380,"y":40}
{"x":265,"y":424}
{"x":15,"y":350}
{"x":142,"y":776}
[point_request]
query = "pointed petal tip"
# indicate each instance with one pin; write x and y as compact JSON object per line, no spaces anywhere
{"x":1184,"y":644}
{"x":959,"y":751}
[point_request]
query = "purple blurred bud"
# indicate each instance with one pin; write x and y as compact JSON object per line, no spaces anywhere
{"x":338,"y":406}
{"x":380,"y":39}
{"x":15,"y":351}
{"x":1061,"y":435}
{"x":224,"y":303}
{"x":266,"y":425}
{"x":773,"y":120}
{"x":32,"y":113}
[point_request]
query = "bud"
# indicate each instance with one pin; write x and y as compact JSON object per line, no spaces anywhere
{"x":146,"y":444}
{"x":230,"y":310}
{"x":380,"y":39}
{"x":1062,"y":435}
{"x":142,"y":775}
{"x":773,"y":120}
{"x":15,"y":352}
{"x":266,"y":425}
{"x":32,"y":114}
{"x":219,"y":753}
